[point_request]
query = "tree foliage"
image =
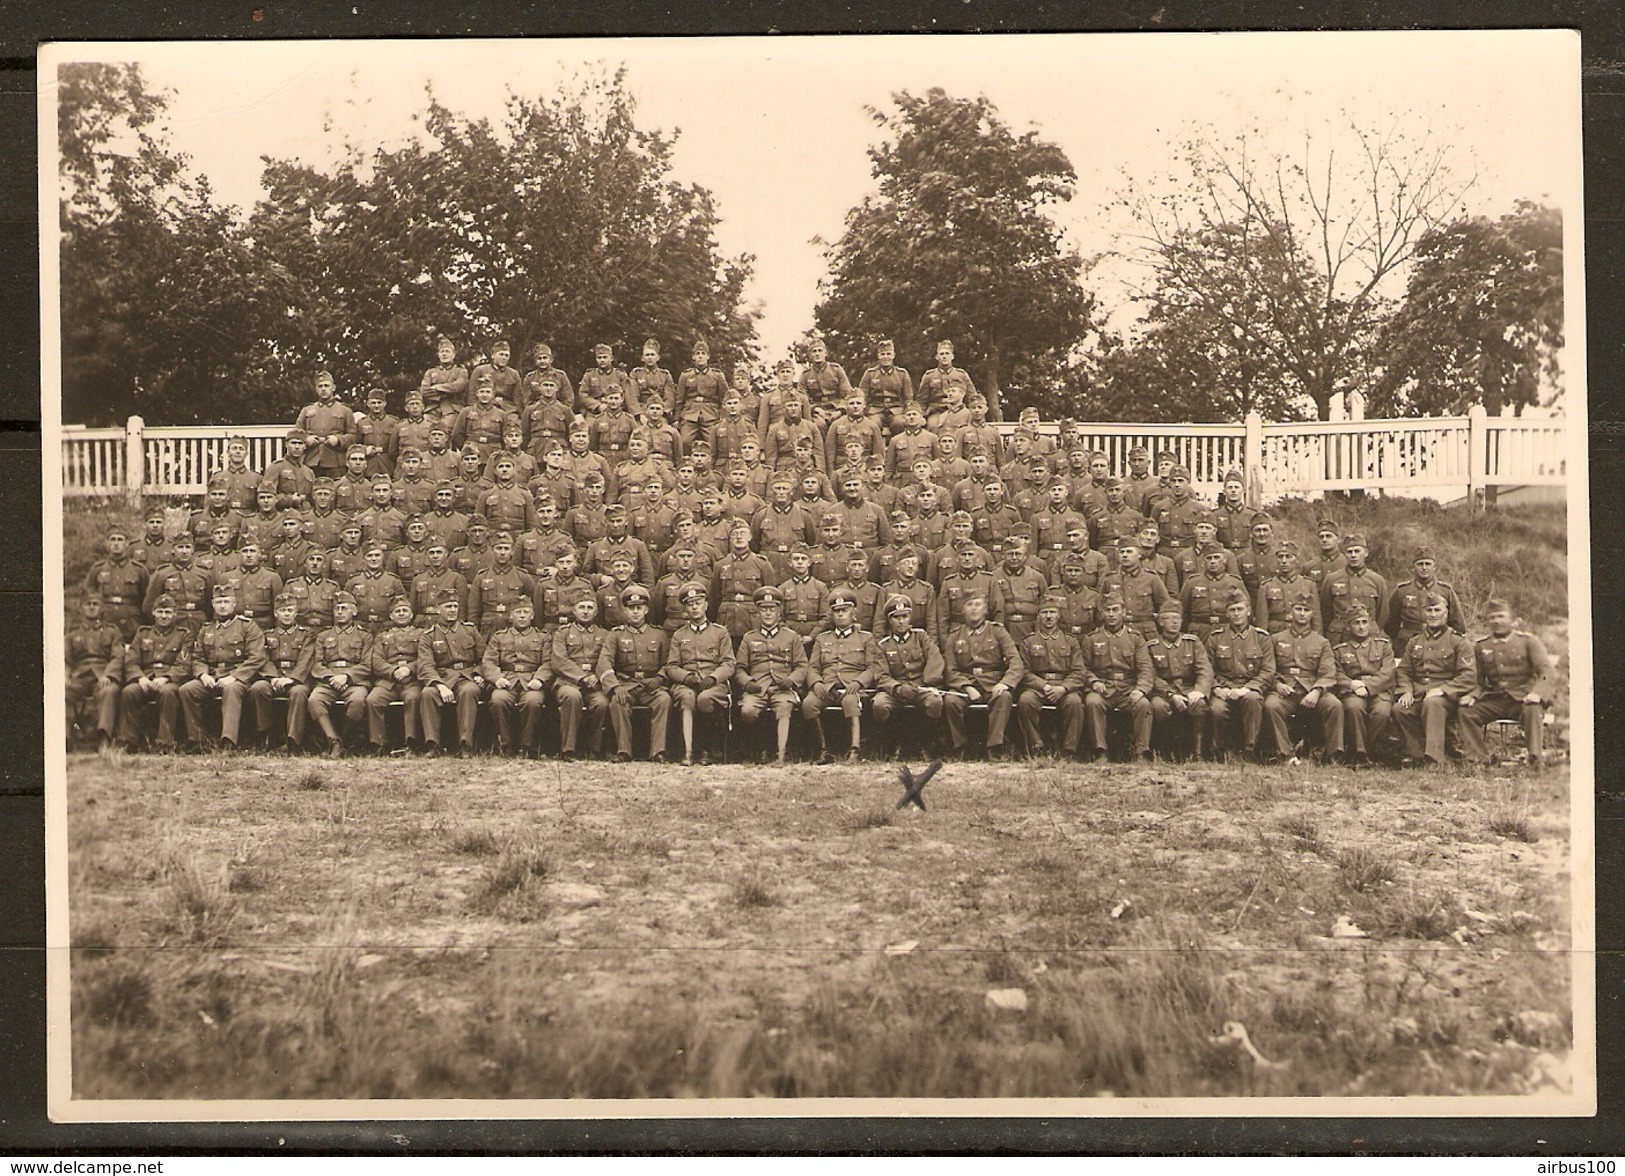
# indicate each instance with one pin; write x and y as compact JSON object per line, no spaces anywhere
{"x":1482,"y":319}
{"x":560,"y":225}
{"x":958,"y":243}
{"x":1290,"y":259}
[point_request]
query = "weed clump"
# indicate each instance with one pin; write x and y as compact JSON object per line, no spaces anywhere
{"x":123,"y":998}
{"x":511,"y":877}
{"x":1514,"y":826}
{"x":311,"y":780}
{"x":475,"y":840}
{"x":1363,"y":870}
{"x":753,"y":890}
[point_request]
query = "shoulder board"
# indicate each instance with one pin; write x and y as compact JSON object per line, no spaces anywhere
{"x":1523,"y":633}
{"x":1486,"y":637}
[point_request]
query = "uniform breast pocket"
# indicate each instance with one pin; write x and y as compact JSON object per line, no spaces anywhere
{"x":1199,"y":591}
{"x":1340,"y":589}
{"x":438,"y":646}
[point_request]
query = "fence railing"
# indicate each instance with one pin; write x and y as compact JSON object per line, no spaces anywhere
{"x":1303,"y":458}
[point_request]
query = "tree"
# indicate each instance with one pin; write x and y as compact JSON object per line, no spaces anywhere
{"x":161,"y":300}
{"x":958,"y":243}
{"x":562,"y":224}
{"x":1318,"y":238}
{"x":1482,"y":320}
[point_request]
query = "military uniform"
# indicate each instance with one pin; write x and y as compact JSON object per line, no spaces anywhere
{"x":770,"y":665}
{"x":449,"y":655}
{"x":631,"y":665}
{"x":1347,"y":588}
{"x":842,"y":667}
{"x":394,"y":650}
{"x":698,"y":403}
{"x":1365,"y":716}
{"x":154,"y":652}
{"x":1276,"y":596}
{"x":520,"y":656}
{"x":909,"y":664}
{"x":1405,"y":618}
{"x":492,"y":594}
{"x":1508,"y":669}
{"x":1202,"y":601}
{"x":256,"y":590}
{"x":887,"y":388}
{"x":91,"y":648}
{"x":651,"y":383}
{"x":233,"y":651}
{"x":1304,"y":665}
{"x":1180,"y":668}
{"x":342,"y":652}
{"x":1051,"y":658}
{"x":980,"y":659}
{"x":934,"y":386}
{"x":734,"y":581}
{"x":427,"y":587}
{"x":1143,"y":592}
{"x":1442,"y":660}
{"x":443,"y":388}
{"x":289,"y":653}
{"x":1022,"y":592}
{"x":825,"y":385}
{"x":955,"y":590}
{"x":1118,"y":663}
{"x":1242,"y":659}
{"x":596,"y":384}
{"x":122,"y":585}
{"x":373,"y":592}
{"x":314,"y":598}
{"x":190,"y":588}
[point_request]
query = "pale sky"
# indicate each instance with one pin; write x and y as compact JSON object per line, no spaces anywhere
{"x":776,"y":127}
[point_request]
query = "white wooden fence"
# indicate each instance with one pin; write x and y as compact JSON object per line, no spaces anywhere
{"x":1450,"y":456}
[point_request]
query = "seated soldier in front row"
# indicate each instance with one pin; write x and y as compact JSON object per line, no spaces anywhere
{"x":1514,"y":682}
{"x":771,"y":662}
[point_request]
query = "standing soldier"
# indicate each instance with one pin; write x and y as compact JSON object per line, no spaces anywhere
{"x":865,"y":591}
{"x":616,"y":541}
{"x":1182,"y":679}
{"x":698,"y":402}
{"x":290,"y":652}
{"x":256,"y":585}
{"x":780,"y":525}
{"x":597,"y":381}
{"x":912,"y":669}
{"x":792,"y":441}
{"x":771,"y":661}
{"x":507,"y":506}
{"x":546,"y":420}
{"x":352,"y":489}
{"x":1365,"y":685}
{"x":1278,"y":594}
{"x":1140,"y":481}
{"x":413,"y":430}
{"x":186,"y":586}
{"x":651,"y":382}
{"x":842,"y":667}
{"x":852,"y":425}
{"x":1143,"y":593}
{"x":330,"y":427}
{"x":517,"y":664}
{"x":1436,"y":671}
{"x":906,"y":582}
{"x":436,"y":577}
{"x":91,"y":647}
{"x":1153,"y":561}
{"x":379,"y":433}
{"x":445,"y":385}
{"x":1176,"y":514}
{"x":264,"y":526}
{"x":152,"y":668}
{"x":287,"y":555}
{"x":557,"y":595}
{"x":1233,"y":514}
{"x":496,"y":589}
{"x":217,"y":509}
{"x":1514,"y":682}
{"x":320,"y":524}
{"x":1190,"y":562}
{"x":541,"y":371}
{"x":1022,"y":588}
{"x":448,"y":672}
{"x":288,"y":475}
{"x":340,"y":671}
{"x":1204,"y":596}
{"x":1405,"y":606}
{"x":412,"y":556}
{"x":393,"y":670}
{"x":504,"y":379}
{"x":1055,"y":675}
{"x":1120,"y":677}
{"x":886,"y":387}
{"x":631,"y":667}
{"x":806,"y":598}
{"x":1243,"y":660}
{"x":374,"y":588}
{"x":445,"y":522}
{"x":151,"y":548}
{"x":983,"y":665}
{"x":909,"y":444}
{"x":1117,"y":520}
{"x":119,"y":582}
{"x":956,"y":592}
{"x":314,"y":591}
{"x":227,"y":656}
{"x":1080,"y":603}
{"x":1354,"y":584}
{"x":1329,"y":559}
{"x":824,"y":383}
{"x":1305,"y":673}
{"x":700,"y":665}
{"x":239,"y":479}
{"x":935,"y":383}
{"x":1094,"y":564}
{"x":734,"y":581}
{"x":1255,"y":561}
{"x":577,"y":649}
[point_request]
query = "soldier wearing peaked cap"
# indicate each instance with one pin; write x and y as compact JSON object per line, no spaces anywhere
{"x":1243,"y":660}
{"x":983,"y":665}
{"x":1515,"y":681}
{"x":842,"y":669}
{"x":1437,"y":669}
{"x":912,"y":669}
{"x":700,"y":666}
{"x":1366,"y":671}
{"x":517,"y":664}
{"x":631,"y":667}
{"x":771,"y":662}
{"x":448,"y":671}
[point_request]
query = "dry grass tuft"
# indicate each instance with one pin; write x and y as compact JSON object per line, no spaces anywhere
{"x":1364,"y":870}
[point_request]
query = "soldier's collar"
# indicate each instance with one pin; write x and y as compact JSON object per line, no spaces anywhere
{"x":773,"y":632}
{"x":847,"y":632}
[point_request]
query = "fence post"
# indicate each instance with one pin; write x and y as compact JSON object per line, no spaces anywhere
{"x":1478,"y":454}
{"x":1356,"y":405}
{"x":135,"y":460}
{"x":1252,"y":457}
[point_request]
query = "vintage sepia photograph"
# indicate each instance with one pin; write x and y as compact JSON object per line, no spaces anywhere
{"x":804,"y":576}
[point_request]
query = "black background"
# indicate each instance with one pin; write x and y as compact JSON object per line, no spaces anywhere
{"x":24,"y":1128}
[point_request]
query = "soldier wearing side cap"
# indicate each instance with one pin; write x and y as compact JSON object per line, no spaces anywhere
{"x":517,"y":665}
{"x":1366,"y":671}
{"x":1080,"y":603}
{"x":437,"y":576}
{"x":241,"y":481}
{"x":1055,"y":674}
{"x":186,"y":586}
{"x":770,"y":667}
{"x":379,"y":431}
{"x":781,"y":524}
{"x":216,"y":509}
{"x":1405,"y":618}
{"x":1189,"y":564}
{"x":256,"y":585}
{"x":1437,"y":669}
{"x":545,"y":422}
{"x":1354,"y":584}
{"x":409,"y":558}
{"x":227,"y":656}
{"x":631,"y":666}
{"x":1233,"y":514}
{"x":150,"y":669}
{"x":1305,"y":672}
{"x":617,"y":540}
{"x":507,"y":505}
{"x":330,"y":427}
{"x":1140,"y":480}
{"x":479,"y":425}
{"x":806,"y":597}
{"x":1182,"y":681}
{"x":393,"y":671}
{"x":913,"y":669}
{"x":1328,"y":558}
{"x":842,"y":669}
{"x":534,"y":383}
{"x":504,"y":380}
{"x":264,"y":526}
{"x":352,"y":488}
{"x":320,"y":523}
{"x":700,"y":666}
{"x":1021,"y":586}
{"x":448,"y":672}
{"x":650,"y":381}
{"x":1515,"y":681}
{"x":290,"y":652}
{"x":1277,"y":594}
{"x":1243,"y":658}
{"x":983,"y":666}
{"x":444,"y":387}
{"x":496,"y":588}
{"x":314,"y":591}
{"x":119,"y":582}
{"x":288,"y":476}
{"x":150,"y":549}
{"x":89,"y":647}
{"x":906,"y":581}
{"x":1120,"y":677}
{"x":598,"y":380}
{"x":475,"y":555}
{"x":469,"y":481}
{"x":1119,"y":520}
{"x":414,"y":427}
{"x":966,"y":583}
{"x":1256,"y":561}
{"x":1143,"y":592}
{"x":1176,"y":514}
{"x":934,"y":384}
{"x":697,"y":404}
{"x":341,"y":672}
{"x":1203,"y":596}
{"x":374,"y":588}
{"x":287,"y":555}
{"x":734,"y":580}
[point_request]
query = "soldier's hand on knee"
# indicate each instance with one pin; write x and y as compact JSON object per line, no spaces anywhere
{"x":1468,"y":701}
{"x":1312,"y":699}
{"x":444,"y":691}
{"x":1405,"y":701}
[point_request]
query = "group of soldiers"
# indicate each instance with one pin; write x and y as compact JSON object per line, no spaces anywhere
{"x":633,"y":543}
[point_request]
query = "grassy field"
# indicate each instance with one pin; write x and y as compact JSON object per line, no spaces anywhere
{"x":265,"y":927}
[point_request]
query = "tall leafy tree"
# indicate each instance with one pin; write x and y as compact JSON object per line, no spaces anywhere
{"x":1482,"y":320}
{"x":958,"y":243}
{"x":1317,"y":239}
{"x":561,"y":224}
